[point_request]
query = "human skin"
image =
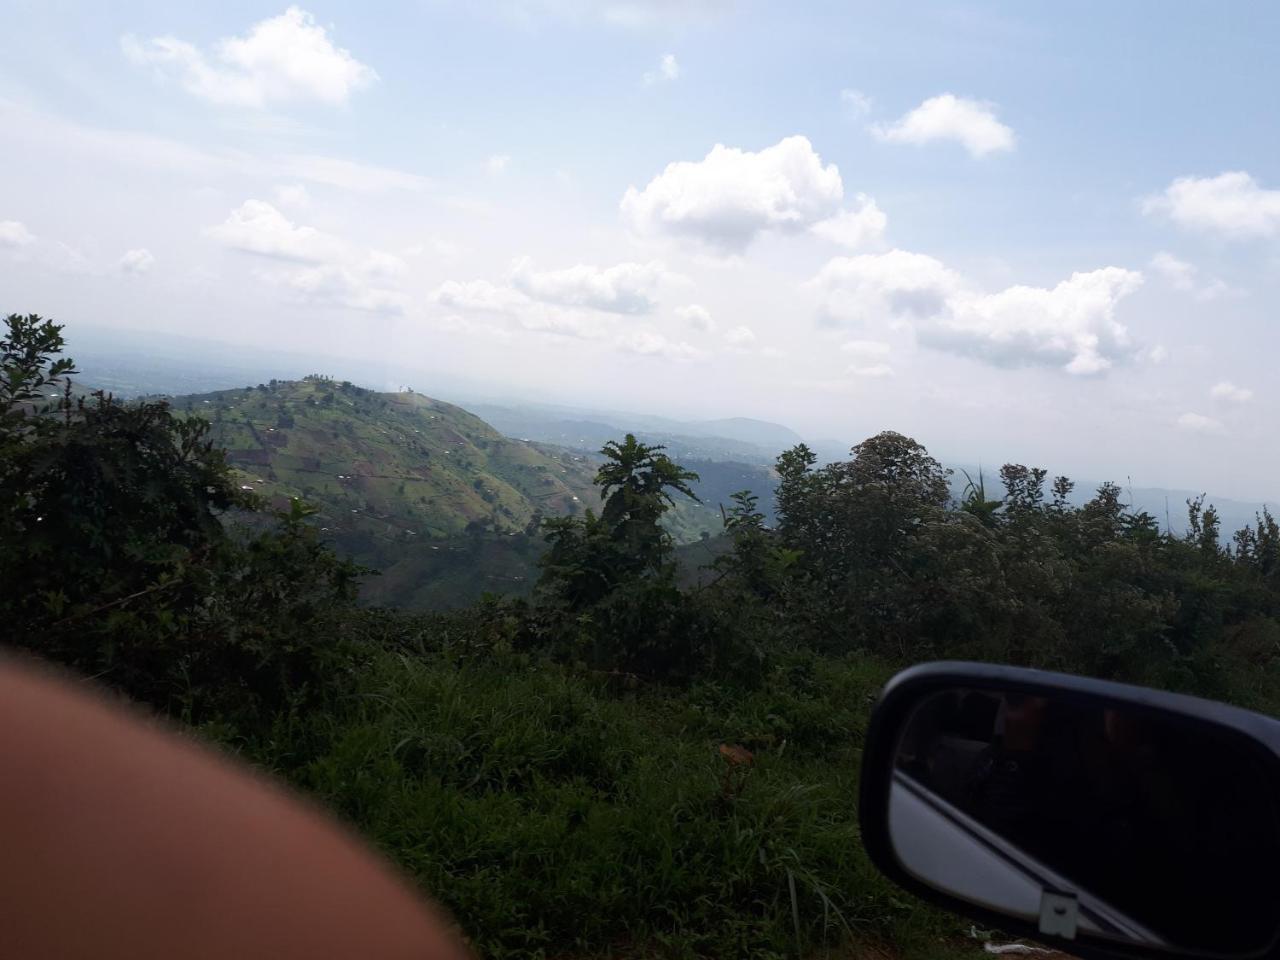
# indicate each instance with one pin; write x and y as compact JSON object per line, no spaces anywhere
{"x":121,"y":839}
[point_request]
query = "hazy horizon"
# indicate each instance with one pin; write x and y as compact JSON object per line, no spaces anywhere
{"x":239,"y":363}
{"x":1011,"y":234}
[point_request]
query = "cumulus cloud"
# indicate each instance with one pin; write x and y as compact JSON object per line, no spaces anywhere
{"x":1198,"y":423}
{"x":668,"y":70}
{"x":895,"y":285}
{"x":1071,"y":325}
{"x":136,"y":261}
{"x":856,"y":229}
{"x":740,"y":336}
{"x":1228,"y":391}
{"x":622,"y":288}
{"x":359,"y":285}
{"x":282,"y":59}
{"x":583,"y":301}
{"x":478,"y":295}
{"x":333,"y":272}
{"x":650,"y":343}
{"x":697,"y":316}
{"x":732,"y":196}
{"x":503,"y":300}
{"x":258,"y":227}
{"x":15,"y":234}
{"x":1231,"y":204}
{"x":856,"y":102}
{"x":971,"y":123}
{"x":497,"y":163}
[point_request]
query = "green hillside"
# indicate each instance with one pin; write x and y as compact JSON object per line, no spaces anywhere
{"x":398,"y":465}
{"x":423,"y":491}
{"x":436,"y":500}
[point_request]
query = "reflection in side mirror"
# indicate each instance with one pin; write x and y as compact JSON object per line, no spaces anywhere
{"x":1134,"y":821}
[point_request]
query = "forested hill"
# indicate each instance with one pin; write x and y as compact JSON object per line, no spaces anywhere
{"x":397,"y":465}
{"x":430,"y":495}
{"x":439,"y":502}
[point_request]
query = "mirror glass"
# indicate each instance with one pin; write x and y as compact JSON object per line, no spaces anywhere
{"x":1091,"y":819}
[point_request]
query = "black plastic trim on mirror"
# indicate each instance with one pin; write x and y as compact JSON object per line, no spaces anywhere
{"x":907,"y":688}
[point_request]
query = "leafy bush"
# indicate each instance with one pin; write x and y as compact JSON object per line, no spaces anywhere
{"x":118,"y":563}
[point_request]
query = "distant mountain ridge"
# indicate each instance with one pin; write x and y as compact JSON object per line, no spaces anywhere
{"x":738,"y":439}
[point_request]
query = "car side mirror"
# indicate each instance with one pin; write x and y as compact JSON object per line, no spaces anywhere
{"x":1104,"y":819}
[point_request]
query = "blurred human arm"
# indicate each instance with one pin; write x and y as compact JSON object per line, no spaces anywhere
{"x":121,"y":839}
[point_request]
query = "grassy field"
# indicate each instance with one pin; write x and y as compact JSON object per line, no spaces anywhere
{"x":557,"y":813}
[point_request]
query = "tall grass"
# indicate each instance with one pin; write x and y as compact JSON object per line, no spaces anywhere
{"x":554,"y":814}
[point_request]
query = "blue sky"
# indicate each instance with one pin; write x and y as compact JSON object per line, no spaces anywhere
{"x":1018,"y":232}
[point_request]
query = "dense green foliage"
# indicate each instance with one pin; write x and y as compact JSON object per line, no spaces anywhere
{"x":443,"y":506}
{"x":624,"y":760}
{"x":116,"y":562}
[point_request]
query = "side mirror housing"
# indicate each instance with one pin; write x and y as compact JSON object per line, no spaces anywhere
{"x":1104,"y":819}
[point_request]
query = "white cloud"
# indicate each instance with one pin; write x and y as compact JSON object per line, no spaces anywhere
{"x":282,"y":59}
{"x":1180,"y":274}
{"x":478,"y":295}
{"x":137,"y":261}
{"x":15,"y":234}
{"x":857,"y":102}
{"x":866,"y":349}
{"x":872,"y":370}
{"x":622,"y":288}
{"x":697,"y":316}
{"x":650,"y":343}
{"x":668,"y":70}
{"x":1226,"y":390}
{"x":893,"y":285}
{"x":732,"y":196}
{"x":141,"y":154}
{"x":971,"y":123}
{"x":497,"y":163}
{"x":293,"y":195}
{"x":1071,"y":326}
{"x":855,"y":229}
{"x":356,"y":286}
{"x":333,"y":272}
{"x":482,"y":296}
{"x":1197,"y":423}
{"x":1156,"y":355}
{"x":1184,"y":277}
{"x":258,"y":227}
{"x":1231,"y":204}
{"x":740,"y":336}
